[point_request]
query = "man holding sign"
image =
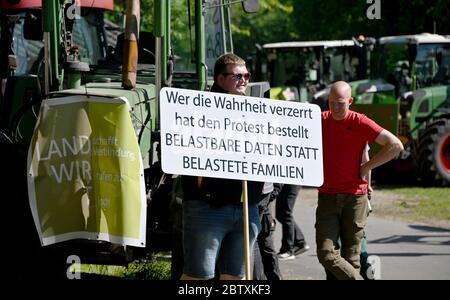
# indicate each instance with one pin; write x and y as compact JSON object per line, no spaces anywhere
{"x":212,"y":208}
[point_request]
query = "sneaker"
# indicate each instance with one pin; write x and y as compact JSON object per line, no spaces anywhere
{"x":300,"y":249}
{"x":286,"y":256}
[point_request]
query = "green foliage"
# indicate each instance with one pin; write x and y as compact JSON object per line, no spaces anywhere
{"x":288,"y":20}
{"x":346,"y":18}
{"x":118,"y":14}
{"x":273,"y":23}
{"x":428,"y":205}
{"x":431,"y":202}
{"x":104,"y":270}
{"x":432,"y":193}
{"x":319,"y":20}
{"x":151,"y":268}
{"x":181,"y":32}
{"x":148,"y":269}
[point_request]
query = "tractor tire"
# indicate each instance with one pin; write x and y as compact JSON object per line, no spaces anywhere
{"x":433,"y":158}
{"x":424,"y":140}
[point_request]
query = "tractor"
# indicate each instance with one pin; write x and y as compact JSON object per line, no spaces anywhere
{"x":297,"y":70}
{"x":71,"y":84}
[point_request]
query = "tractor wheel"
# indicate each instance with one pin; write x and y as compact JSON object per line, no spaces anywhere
{"x":433,"y":157}
{"x":424,"y":140}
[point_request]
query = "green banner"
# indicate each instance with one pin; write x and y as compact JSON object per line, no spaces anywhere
{"x":85,"y":172}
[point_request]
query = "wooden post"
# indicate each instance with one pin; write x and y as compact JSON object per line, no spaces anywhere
{"x":130,"y":45}
{"x":248,"y":275}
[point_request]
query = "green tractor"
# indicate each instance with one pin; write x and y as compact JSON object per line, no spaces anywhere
{"x":80,"y":109}
{"x":408,"y":94}
{"x":297,"y":70}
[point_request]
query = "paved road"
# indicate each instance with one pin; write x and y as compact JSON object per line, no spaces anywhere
{"x":405,"y":250}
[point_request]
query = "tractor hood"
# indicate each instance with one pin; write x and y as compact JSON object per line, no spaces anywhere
{"x":142,"y":92}
{"x":141,"y":102}
{"x":429,"y":100}
{"x":424,"y":104}
{"x":374,"y":87}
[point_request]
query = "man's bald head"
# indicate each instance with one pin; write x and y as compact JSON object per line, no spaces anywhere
{"x":340,"y":99}
{"x":341,"y":89}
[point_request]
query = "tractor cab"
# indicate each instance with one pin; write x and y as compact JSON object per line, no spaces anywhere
{"x":297,"y":70}
{"x":410,"y":62}
{"x":84,"y":38}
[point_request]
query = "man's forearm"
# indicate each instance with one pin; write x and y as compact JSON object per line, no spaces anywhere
{"x":387,"y":153}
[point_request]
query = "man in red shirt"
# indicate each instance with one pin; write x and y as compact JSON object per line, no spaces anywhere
{"x":343,"y":205}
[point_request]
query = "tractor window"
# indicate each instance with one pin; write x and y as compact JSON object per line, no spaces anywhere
{"x":391,"y":59}
{"x":393,"y":64}
{"x":339,"y":63}
{"x":213,"y":30}
{"x":292,"y":67}
{"x":343,"y":63}
{"x":27,"y":51}
{"x":217,"y":33}
{"x":183,"y":37}
{"x":86,"y":37}
{"x":432,"y":64}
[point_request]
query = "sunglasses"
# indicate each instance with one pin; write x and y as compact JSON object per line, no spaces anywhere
{"x":238,"y":76}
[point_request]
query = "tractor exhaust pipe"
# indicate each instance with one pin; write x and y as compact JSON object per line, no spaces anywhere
{"x":130,"y":45}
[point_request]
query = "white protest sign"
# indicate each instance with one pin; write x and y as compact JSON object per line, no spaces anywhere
{"x":239,"y":137}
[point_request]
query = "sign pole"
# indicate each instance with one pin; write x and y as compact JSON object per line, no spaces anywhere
{"x":246,"y":231}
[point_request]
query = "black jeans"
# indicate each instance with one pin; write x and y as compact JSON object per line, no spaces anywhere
{"x":265,"y":256}
{"x":291,"y":233}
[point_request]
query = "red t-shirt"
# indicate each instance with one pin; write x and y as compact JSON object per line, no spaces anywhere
{"x":343,"y":144}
